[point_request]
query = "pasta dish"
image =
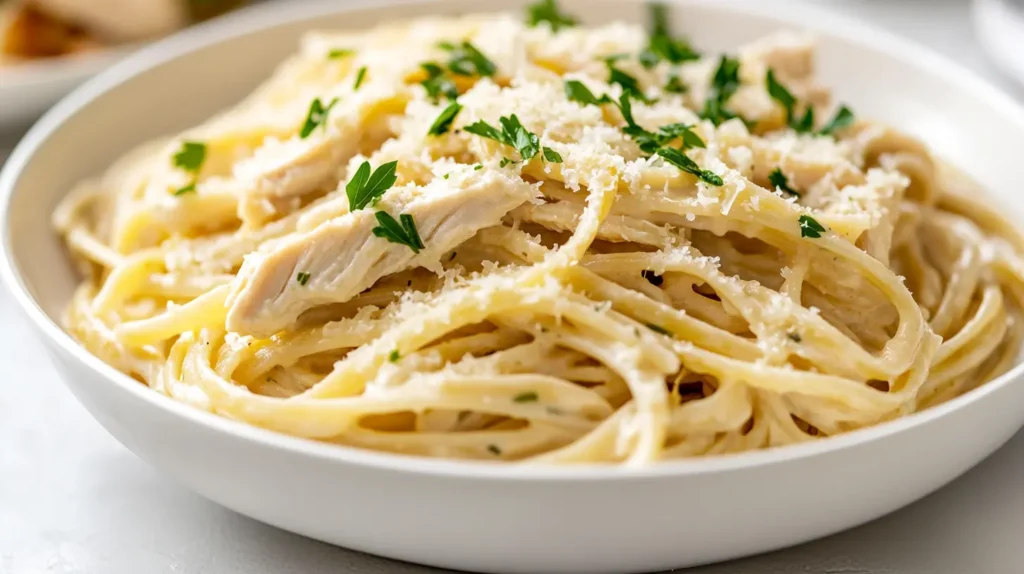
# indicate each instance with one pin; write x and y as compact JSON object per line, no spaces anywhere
{"x":532,"y":241}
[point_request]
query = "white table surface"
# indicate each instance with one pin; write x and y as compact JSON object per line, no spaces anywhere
{"x":74,"y":501}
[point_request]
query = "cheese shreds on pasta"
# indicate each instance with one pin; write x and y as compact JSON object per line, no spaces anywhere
{"x":678,"y":269}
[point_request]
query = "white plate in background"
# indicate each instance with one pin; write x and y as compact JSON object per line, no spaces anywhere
{"x":486,"y":517}
{"x":27,"y":89}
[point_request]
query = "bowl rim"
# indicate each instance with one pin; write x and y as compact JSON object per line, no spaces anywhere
{"x":265,"y":17}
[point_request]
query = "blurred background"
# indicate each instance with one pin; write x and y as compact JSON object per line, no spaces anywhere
{"x":47,"y":47}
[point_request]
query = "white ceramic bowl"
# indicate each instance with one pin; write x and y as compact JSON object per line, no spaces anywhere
{"x":488,"y":517}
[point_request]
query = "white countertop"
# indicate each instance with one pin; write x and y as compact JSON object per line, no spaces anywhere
{"x":74,"y":501}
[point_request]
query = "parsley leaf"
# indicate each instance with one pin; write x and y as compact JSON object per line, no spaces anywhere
{"x":675,"y":85}
{"x":777,"y":179}
{"x":547,"y":11}
{"x":190,"y":157}
{"x":679,"y":159}
{"x":493,"y":449}
{"x":662,"y":46}
{"x":512,"y":133}
{"x":806,"y":123}
{"x":445,"y":119}
{"x":394,"y":356}
{"x":649,"y":142}
{"x":727,"y":77}
{"x":438,"y":83}
{"x":809,"y":227}
{"x":339,"y":53}
{"x":780,"y":94}
{"x":523,"y":140}
{"x":466,"y":60}
{"x":316,"y":116}
{"x":843,"y":119}
{"x":577,"y":91}
{"x":684,"y":131}
{"x":302,"y":278}
{"x":552,"y":155}
{"x":190,"y":188}
{"x":364,"y":188}
{"x":404,"y":233}
{"x":360,"y":76}
{"x":724,"y":84}
{"x":629,"y":84}
{"x":527,"y":397}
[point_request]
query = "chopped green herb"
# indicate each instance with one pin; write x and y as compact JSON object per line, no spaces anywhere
{"x":780,"y":94}
{"x":649,"y":142}
{"x":726,"y":80}
{"x":438,"y":83}
{"x":578,"y":92}
{"x":445,"y":119}
{"x":316,"y":116}
{"x":648,"y":59}
{"x":679,"y":159}
{"x":777,"y":179}
{"x":394,"y":356}
{"x":302,"y":278}
{"x":652,"y":277}
{"x":512,"y":133}
{"x":551,"y":155}
{"x":404,"y":233}
{"x":809,"y":227}
{"x":466,"y":60}
{"x":684,"y":131}
{"x":493,"y":449}
{"x":339,"y":53}
{"x":190,"y":188}
{"x":547,"y":11}
{"x":675,"y":85}
{"x":662,"y":46}
{"x":506,"y":161}
{"x":806,"y":123}
{"x":657,"y":14}
{"x":360,"y":76}
{"x":843,"y":119}
{"x":527,"y":397}
{"x":477,"y":167}
{"x":445,"y":176}
{"x":724,"y":84}
{"x":190,"y":157}
{"x":659,"y":329}
{"x":364,"y":188}
{"x":630,"y":85}
{"x":795,"y":337}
